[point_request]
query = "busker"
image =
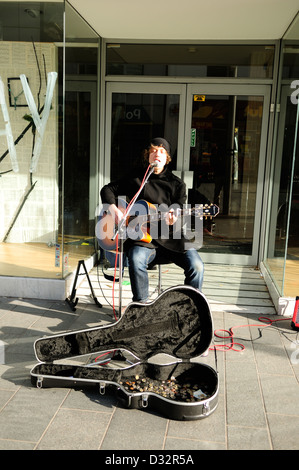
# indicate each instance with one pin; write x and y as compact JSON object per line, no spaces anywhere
{"x":162,"y":188}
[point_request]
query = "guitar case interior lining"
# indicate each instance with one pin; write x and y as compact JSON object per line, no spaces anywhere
{"x":178,"y":323}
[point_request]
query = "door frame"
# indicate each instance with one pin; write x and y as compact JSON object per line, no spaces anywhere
{"x":186,"y":92}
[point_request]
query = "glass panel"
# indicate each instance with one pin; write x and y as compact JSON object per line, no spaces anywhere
{"x":291,"y":62}
{"x":78,"y":219}
{"x":31,"y":220}
{"x":283,"y":229}
{"x":224,"y":158}
{"x":195,"y":60}
{"x":283,"y":247}
{"x":32,"y":21}
{"x":136,"y":118}
{"x":290,"y":57}
{"x":292,"y":262}
{"x":29,"y":195}
{"x":78,"y":188}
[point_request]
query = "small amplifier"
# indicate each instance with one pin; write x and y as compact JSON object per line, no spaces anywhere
{"x":295,"y":320}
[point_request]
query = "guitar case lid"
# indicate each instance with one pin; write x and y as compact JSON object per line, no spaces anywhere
{"x":178,"y":323}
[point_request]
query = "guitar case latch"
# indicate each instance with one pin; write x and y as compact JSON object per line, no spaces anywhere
{"x":144,"y":401}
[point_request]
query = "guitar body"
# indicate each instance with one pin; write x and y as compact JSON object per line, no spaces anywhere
{"x":105,"y":228}
{"x":178,"y":323}
{"x":134,"y":229}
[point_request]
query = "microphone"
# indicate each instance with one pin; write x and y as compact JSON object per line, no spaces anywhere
{"x":154,"y":164}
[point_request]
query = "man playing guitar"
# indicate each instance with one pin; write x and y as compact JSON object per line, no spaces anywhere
{"x":164,"y":189}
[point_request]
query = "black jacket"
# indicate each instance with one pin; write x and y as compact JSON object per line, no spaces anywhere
{"x":164,"y":188}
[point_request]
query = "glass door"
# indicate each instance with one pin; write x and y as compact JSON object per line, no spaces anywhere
{"x":223,"y":163}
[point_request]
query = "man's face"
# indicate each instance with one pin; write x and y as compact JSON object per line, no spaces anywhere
{"x":158,"y":155}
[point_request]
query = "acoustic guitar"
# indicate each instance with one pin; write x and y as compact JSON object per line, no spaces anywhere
{"x":137,"y":223}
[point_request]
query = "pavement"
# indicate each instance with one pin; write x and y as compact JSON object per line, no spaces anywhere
{"x":258,"y":405}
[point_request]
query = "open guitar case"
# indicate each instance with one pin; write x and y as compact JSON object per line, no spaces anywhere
{"x":178,"y":323}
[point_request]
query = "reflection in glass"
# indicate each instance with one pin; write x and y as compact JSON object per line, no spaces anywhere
{"x":193,"y":60}
{"x":29,"y":210}
{"x":224,"y":158}
{"x":78,"y":139}
{"x":136,"y":118}
{"x":282,"y":254}
{"x":290,"y":68}
{"x":283,"y":248}
{"x":78,"y":227}
{"x":31,"y":214}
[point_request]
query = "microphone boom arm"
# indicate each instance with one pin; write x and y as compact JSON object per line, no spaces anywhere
{"x":119,"y":232}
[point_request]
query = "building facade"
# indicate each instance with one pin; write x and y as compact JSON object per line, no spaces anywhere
{"x":80,"y":102}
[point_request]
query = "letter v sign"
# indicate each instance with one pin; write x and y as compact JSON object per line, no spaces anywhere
{"x":40,"y":123}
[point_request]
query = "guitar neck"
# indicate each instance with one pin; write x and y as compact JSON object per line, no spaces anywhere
{"x":200,"y":211}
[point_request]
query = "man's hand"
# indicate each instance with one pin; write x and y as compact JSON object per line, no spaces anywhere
{"x":171,"y":218}
{"x":116,"y":213}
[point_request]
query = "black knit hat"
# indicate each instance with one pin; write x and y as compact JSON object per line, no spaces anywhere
{"x":160,"y":142}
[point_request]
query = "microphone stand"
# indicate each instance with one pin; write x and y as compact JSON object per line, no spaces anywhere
{"x":120,"y":232}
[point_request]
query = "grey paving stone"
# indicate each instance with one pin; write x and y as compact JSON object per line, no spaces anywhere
{"x":29,"y":412}
{"x":135,"y":429}
{"x":210,"y":429}
{"x":244,"y":399}
{"x":75,"y":430}
{"x":284,"y":431}
{"x":246,"y":438}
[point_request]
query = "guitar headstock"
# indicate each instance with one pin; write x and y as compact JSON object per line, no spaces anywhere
{"x":206,"y":210}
